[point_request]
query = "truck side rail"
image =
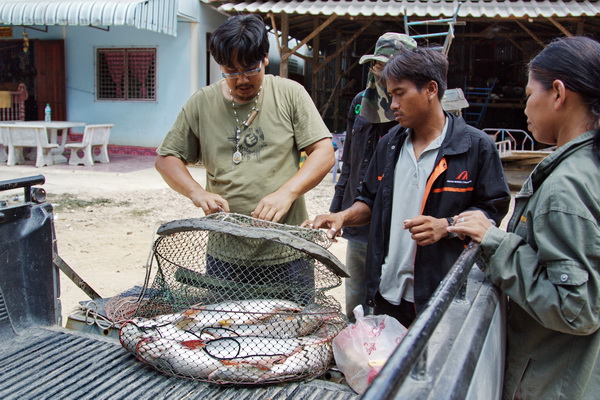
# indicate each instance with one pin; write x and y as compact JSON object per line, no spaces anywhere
{"x":406,"y":371}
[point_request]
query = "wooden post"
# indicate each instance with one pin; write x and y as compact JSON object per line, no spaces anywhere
{"x":580,"y":28}
{"x":338,"y":70}
{"x":315,"y":62}
{"x":284,"y":55}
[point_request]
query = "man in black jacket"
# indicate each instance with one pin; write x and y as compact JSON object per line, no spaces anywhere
{"x":369,"y":118}
{"x":425,"y":171}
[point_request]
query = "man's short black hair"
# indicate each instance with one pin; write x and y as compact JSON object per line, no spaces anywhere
{"x":420,"y":66}
{"x":242,"y":39}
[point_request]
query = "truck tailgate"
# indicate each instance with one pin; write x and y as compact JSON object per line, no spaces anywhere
{"x":55,"y":363}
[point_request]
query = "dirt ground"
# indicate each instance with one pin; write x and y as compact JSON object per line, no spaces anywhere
{"x":106,"y":217}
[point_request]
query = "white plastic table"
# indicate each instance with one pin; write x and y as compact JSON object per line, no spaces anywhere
{"x":54,"y":129}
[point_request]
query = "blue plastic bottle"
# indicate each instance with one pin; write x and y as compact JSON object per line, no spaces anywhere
{"x":48,"y":113}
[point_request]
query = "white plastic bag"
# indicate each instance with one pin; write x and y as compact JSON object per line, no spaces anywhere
{"x":361,"y":349}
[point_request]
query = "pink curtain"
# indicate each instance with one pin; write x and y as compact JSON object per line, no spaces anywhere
{"x":116,"y":67}
{"x":139,"y":64}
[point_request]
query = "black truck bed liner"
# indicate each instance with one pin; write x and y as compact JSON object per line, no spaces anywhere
{"x":56,"y":363}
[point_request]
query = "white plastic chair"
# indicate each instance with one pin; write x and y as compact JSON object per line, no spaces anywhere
{"x":93,"y":136}
{"x":20,"y":136}
{"x":3,"y":145}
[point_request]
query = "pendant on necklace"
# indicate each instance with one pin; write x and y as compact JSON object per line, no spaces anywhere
{"x":237,"y":157}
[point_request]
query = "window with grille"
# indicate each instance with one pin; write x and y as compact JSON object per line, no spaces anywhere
{"x":126,"y":74}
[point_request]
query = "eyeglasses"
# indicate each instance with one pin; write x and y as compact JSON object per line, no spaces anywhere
{"x":249,"y":73}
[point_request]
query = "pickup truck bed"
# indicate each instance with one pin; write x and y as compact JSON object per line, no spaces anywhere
{"x":453,"y":350}
{"x":56,"y":363}
{"x":41,"y":360}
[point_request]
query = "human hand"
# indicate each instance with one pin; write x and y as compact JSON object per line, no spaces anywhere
{"x":332,"y":221}
{"x":273,"y":207}
{"x":426,"y":230}
{"x":209,"y":202}
{"x":471,"y":223}
{"x":308,"y":223}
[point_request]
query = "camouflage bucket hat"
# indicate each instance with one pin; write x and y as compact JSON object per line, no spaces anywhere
{"x":388,"y":45}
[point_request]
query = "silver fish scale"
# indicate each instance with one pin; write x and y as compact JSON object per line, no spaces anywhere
{"x":35,"y":365}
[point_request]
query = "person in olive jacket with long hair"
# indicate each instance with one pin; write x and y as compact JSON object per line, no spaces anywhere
{"x":548,"y":263}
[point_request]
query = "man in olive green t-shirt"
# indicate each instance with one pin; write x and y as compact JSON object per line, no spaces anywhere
{"x":247,"y":130}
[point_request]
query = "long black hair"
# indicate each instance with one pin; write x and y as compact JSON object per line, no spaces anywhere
{"x":576,"y":62}
{"x":242,"y":39}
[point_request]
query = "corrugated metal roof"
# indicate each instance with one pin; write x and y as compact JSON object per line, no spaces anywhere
{"x":381,"y":8}
{"x":154,"y":15}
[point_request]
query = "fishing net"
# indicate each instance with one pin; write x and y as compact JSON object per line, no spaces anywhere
{"x":236,"y":300}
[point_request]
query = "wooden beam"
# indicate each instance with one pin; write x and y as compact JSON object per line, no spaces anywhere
{"x":516,"y":35}
{"x":560,"y":27}
{"x":488,"y":30}
{"x":530,"y":33}
{"x":517,"y":45}
{"x":315,"y":61}
{"x":311,"y":35}
{"x":275,"y":32}
{"x":338,"y":72}
{"x":284,"y":57}
{"x":278,"y":37}
{"x":302,"y":56}
{"x":342,"y":48}
{"x":339,"y":79}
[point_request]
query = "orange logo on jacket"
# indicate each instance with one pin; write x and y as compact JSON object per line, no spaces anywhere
{"x":463,"y":176}
{"x":462,"y":179}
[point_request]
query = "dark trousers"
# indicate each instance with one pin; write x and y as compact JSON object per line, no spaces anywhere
{"x":405,"y":313}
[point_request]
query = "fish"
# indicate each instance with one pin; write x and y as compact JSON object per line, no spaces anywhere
{"x":312,"y":360}
{"x":251,"y":305}
{"x":136,"y":329}
{"x":246,"y":347}
{"x":284,"y":321}
{"x":312,"y":355}
{"x":284,"y":325}
{"x":172,"y":357}
{"x":233,"y":313}
{"x":199,"y":358}
{"x":191,"y":324}
{"x":229,"y":343}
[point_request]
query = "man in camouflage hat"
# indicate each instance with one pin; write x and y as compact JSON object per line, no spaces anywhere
{"x":369,"y":118}
{"x":429,"y":168}
{"x":374,"y":100}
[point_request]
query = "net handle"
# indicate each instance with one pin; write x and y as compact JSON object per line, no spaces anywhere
{"x":275,"y":235}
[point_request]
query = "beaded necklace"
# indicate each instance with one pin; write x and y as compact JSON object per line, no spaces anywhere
{"x":237,"y":155}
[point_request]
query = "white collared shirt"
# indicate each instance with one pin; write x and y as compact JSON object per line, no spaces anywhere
{"x":410,"y":179}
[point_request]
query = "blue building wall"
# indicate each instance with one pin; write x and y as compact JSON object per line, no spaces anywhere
{"x":145,"y":123}
{"x":136,"y":123}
